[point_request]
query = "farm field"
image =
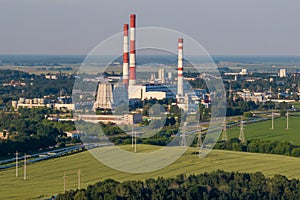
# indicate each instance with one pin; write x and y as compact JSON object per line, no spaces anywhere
{"x":262,"y":130}
{"x":46,"y":178}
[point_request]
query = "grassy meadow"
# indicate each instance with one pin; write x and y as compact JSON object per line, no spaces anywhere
{"x":46,"y":178}
{"x":262,"y":130}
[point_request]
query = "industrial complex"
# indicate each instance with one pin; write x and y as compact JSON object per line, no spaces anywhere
{"x":111,"y":94}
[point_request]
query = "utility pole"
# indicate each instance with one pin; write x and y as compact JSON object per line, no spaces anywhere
{"x":25,"y":167}
{"x":242,"y":134}
{"x":17,"y":172}
{"x":65,"y":180}
{"x":135,"y":141}
{"x":79,"y":173}
{"x":183,"y":135}
{"x":132,"y":136}
{"x":272,"y":120}
{"x":287,"y":120}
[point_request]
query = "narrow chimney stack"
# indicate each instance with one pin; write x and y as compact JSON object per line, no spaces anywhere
{"x":125,"y":56}
{"x":132,"y":72}
{"x":180,"y":67}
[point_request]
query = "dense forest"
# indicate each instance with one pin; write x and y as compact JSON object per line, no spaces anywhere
{"x":217,"y":185}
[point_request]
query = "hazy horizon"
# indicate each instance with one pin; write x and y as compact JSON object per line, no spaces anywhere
{"x":75,"y":27}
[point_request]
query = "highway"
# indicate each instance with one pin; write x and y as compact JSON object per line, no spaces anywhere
{"x":9,"y":163}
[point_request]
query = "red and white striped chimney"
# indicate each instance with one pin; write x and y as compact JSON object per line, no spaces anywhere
{"x":180,"y":68}
{"x":132,"y":72}
{"x":125,"y":56}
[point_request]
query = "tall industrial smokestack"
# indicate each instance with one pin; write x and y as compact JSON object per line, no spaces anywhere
{"x":125,"y":55}
{"x":132,"y":72}
{"x":180,"y":67}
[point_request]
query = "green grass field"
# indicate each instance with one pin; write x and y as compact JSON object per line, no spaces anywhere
{"x":46,"y":178}
{"x":262,"y":130}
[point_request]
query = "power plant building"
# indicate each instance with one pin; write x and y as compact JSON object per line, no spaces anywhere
{"x":109,"y":95}
{"x":152,"y":91}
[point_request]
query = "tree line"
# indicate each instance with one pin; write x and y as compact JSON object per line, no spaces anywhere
{"x":218,"y":185}
{"x":260,"y":146}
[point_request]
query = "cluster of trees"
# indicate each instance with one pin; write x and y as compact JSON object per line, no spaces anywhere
{"x":111,"y":129}
{"x":216,"y":185}
{"x":36,"y":86}
{"x":117,"y":136}
{"x":239,"y":106}
{"x":103,"y":111}
{"x":260,"y":146}
{"x":41,"y":86}
{"x":26,"y":144}
{"x":29,"y":131}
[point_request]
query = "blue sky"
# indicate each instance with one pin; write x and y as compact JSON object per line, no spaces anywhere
{"x":230,"y":27}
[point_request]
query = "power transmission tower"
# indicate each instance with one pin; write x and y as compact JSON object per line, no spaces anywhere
{"x":183,"y":136}
{"x":242,"y":134}
{"x":79,"y":173}
{"x":224,"y":133}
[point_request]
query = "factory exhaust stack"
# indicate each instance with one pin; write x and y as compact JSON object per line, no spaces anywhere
{"x":180,"y":68}
{"x":132,"y":72}
{"x":125,"y":56}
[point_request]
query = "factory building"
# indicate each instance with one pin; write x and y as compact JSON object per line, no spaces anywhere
{"x":63,"y":103}
{"x":152,"y":91}
{"x":282,"y":73}
{"x":117,"y":119}
{"x":110,"y":95}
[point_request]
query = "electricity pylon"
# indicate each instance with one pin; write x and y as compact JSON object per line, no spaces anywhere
{"x":224,"y":133}
{"x":242,"y":134}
